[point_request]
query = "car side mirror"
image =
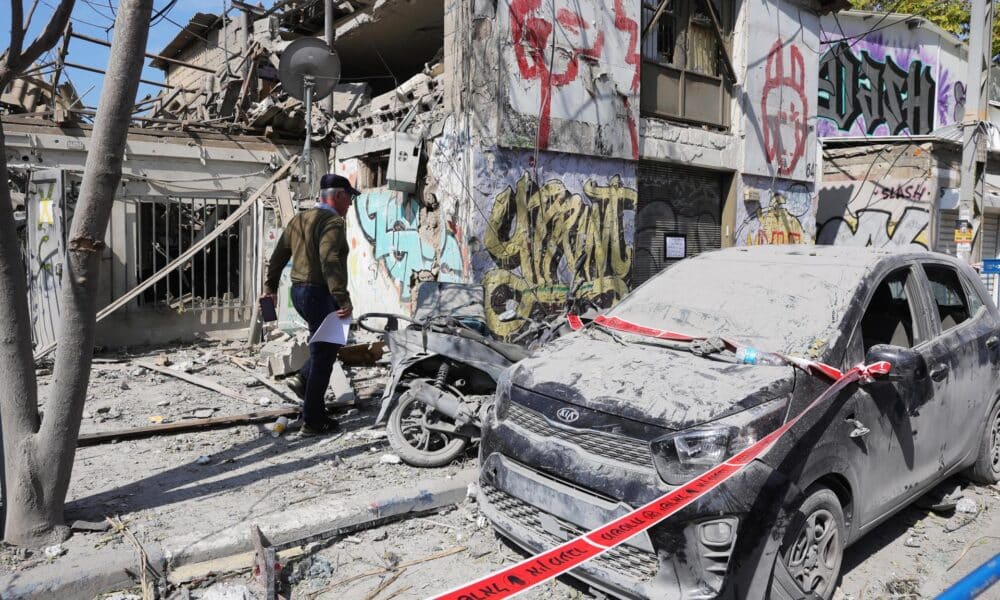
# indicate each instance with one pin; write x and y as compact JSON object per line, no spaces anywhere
{"x":907,"y":364}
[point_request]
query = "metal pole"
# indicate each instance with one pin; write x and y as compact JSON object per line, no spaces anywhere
{"x":245,"y":24}
{"x":973,"y":157}
{"x":331,"y":35}
{"x":307,"y":84}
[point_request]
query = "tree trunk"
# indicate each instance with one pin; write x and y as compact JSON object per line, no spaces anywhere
{"x":39,"y":452}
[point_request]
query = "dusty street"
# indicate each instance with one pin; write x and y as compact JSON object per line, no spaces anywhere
{"x":160,"y":489}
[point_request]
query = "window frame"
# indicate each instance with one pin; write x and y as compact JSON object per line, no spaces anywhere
{"x":934,"y":313}
{"x":854,"y":352}
{"x":678,"y":73}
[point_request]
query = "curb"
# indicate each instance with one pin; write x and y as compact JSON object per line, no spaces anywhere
{"x":85,"y":576}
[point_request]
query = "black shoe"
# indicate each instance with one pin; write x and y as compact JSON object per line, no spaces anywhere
{"x":328,"y":426}
{"x":297,"y":385}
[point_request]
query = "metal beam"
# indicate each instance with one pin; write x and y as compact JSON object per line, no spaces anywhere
{"x":174,"y":61}
{"x":661,"y":7}
{"x":146,"y":81}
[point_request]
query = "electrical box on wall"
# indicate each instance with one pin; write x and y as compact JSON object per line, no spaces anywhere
{"x":404,"y":162}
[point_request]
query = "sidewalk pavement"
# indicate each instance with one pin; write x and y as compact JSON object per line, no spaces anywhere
{"x":85,"y":575}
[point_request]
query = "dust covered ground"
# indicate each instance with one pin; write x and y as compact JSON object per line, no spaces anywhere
{"x":202,"y":482}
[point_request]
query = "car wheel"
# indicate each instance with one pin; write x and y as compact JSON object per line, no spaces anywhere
{"x":986,"y":469}
{"x":813,"y":549}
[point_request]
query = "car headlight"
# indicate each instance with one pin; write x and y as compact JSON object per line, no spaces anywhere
{"x":682,"y":456}
{"x":501,"y":402}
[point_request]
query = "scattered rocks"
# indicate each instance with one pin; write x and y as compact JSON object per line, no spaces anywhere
{"x":203,"y":413}
{"x":390,"y":459}
{"x":163,"y":403}
{"x":264,"y":401}
{"x":228,"y":591}
{"x":967,"y":506}
{"x":90,"y":526}
{"x":312,"y":567}
{"x":381,"y":536}
{"x":942,"y":498}
{"x":203,"y":460}
{"x":123,"y":385}
{"x":912,"y":542}
{"x":102,"y":410}
{"x":54,"y":551}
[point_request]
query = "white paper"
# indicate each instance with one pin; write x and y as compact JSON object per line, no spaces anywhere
{"x":333,"y":330}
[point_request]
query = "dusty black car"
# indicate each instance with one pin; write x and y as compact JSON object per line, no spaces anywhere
{"x":603,"y":421}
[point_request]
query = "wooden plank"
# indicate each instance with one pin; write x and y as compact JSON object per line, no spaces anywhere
{"x":264,"y":559}
{"x":204,"y":382}
{"x":185,"y":256}
{"x":91,"y":439}
{"x":361,"y":355}
{"x":264,"y":381}
{"x":285,"y":207}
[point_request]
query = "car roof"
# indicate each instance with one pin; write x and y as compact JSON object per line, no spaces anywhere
{"x":856,"y":257}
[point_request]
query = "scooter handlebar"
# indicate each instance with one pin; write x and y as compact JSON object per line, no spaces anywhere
{"x":377,"y":315}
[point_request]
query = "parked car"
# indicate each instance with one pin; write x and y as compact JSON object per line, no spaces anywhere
{"x":603,"y":421}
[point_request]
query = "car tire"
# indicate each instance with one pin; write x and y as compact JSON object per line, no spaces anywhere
{"x":812,"y":552}
{"x":986,"y":469}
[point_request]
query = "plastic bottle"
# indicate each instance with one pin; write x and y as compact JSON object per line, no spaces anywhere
{"x":279,"y":426}
{"x":752,"y":356}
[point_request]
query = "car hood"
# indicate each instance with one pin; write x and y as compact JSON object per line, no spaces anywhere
{"x":653,"y":385}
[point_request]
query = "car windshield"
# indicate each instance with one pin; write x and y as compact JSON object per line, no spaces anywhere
{"x":794,"y":305}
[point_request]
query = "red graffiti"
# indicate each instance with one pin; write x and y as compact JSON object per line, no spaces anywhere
{"x":530,"y":35}
{"x":784,"y":108}
{"x":629,"y":26}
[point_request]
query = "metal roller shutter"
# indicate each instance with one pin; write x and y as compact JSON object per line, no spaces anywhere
{"x":990,"y":230}
{"x":675,"y":201}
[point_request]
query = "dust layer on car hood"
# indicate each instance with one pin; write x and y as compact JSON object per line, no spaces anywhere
{"x":658,"y":386}
{"x":783,"y":300}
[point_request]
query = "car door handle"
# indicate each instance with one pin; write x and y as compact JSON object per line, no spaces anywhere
{"x":993,"y":342}
{"x":939,"y":372}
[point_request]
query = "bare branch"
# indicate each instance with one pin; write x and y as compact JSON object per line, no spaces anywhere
{"x":12,"y":58}
{"x":31,"y":13}
{"x":50,"y":35}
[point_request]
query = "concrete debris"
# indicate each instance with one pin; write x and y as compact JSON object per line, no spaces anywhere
{"x":203,"y":413}
{"x":912,"y":542}
{"x":163,"y":403}
{"x":942,"y":498}
{"x":472,"y":491}
{"x":340,"y":387}
{"x":967,"y":505}
{"x":284,"y":357}
{"x":312,"y":567}
{"x":122,"y":596}
{"x":228,"y":591}
{"x":390,"y":459}
{"x":54,"y":551}
{"x":90,"y":526}
{"x":163,"y":360}
{"x":381,"y":536}
{"x":251,"y":382}
{"x":203,"y":460}
{"x":123,"y":385}
{"x":264,"y":401}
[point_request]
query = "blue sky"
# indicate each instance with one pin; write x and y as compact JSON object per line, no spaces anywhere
{"x":93,"y":18}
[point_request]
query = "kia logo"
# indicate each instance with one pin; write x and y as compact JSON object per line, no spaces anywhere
{"x":567,"y":415}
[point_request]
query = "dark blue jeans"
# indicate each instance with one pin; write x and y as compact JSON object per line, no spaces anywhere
{"x":314,"y":303}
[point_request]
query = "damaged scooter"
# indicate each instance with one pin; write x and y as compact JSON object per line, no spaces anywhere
{"x":445,"y":366}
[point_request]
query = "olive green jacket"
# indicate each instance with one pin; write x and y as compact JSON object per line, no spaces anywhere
{"x":316,"y":242}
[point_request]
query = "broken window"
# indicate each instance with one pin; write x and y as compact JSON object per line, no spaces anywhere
{"x":949,"y":297}
{"x":167,"y":227}
{"x":683,"y":71}
{"x":374,"y":170}
{"x":889,"y":317}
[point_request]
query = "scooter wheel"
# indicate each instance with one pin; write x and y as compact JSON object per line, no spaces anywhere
{"x":415,"y":443}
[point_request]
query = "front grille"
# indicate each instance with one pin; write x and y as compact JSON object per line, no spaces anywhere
{"x":629,"y":450}
{"x":625,"y":560}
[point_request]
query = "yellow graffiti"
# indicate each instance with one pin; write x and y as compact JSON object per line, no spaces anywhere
{"x":533,"y":230}
{"x":778,"y":226}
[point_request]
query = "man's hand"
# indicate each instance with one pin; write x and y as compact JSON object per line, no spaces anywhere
{"x":344,"y":313}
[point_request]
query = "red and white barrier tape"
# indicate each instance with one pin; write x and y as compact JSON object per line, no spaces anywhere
{"x":525,"y":575}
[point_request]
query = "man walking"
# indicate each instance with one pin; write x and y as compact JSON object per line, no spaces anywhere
{"x":316,"y":242}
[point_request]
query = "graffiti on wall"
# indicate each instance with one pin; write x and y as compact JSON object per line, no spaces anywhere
{"x":538,"y":235}
{"x":778,"y":93}
{"x":778,"y":213}
{"x":878,"y":214}
{"x":785,"y":107}
{"x":858,"y":88}
{"x":393,"y":228}
{"x":577,"y":62}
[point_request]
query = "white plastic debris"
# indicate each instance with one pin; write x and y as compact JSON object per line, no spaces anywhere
{"x":472,"y":491}
{"x":264,"y":401}
{"x":390,"y":459}
{"x":54,"y":551}
{"x":203,"y":460}
{"x":967,"y":505}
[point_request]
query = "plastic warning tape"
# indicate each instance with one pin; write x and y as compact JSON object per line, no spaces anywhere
{"x":527,"y":574}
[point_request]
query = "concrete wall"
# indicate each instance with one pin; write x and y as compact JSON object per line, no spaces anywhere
{"x":878,"y":196}
{"x":779,"y":212}
{"x":398,"y":239}
{"x":781,"y":71}
{"x":535,"y":219}
{"x":569,"y":75}
{"x":896,"y":80}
